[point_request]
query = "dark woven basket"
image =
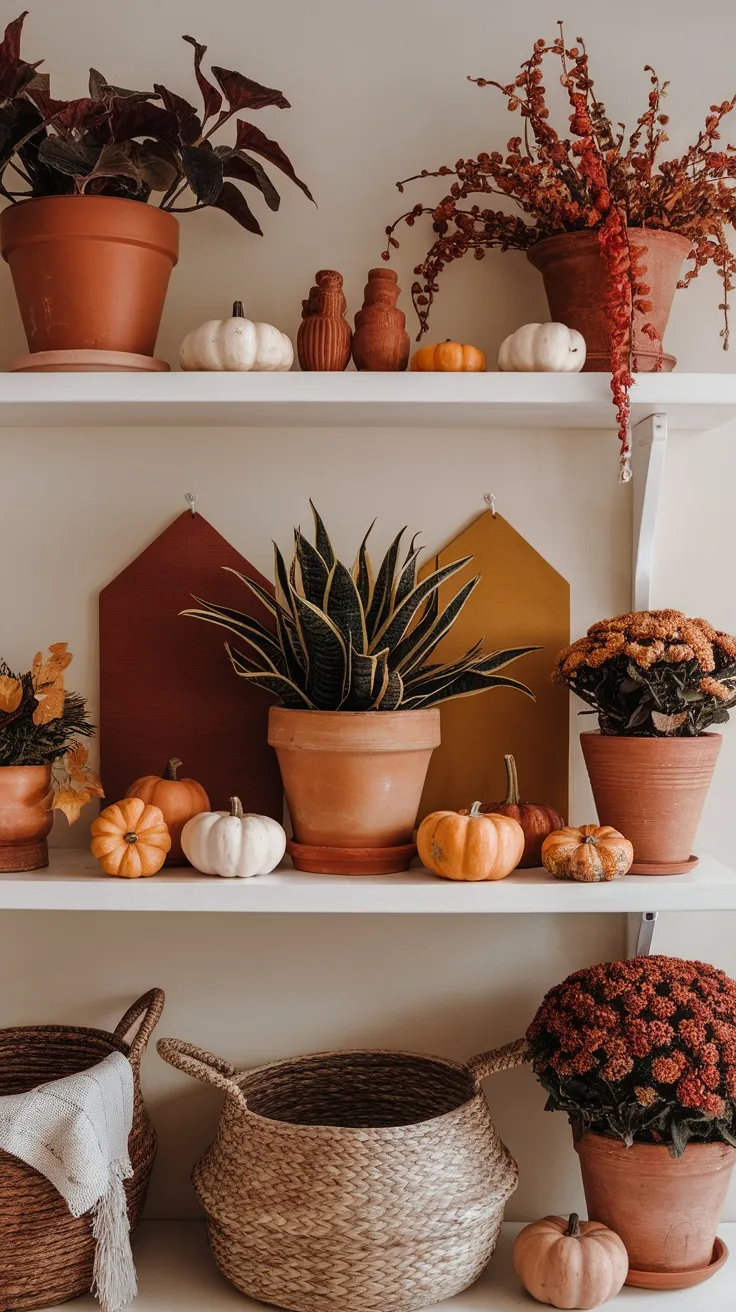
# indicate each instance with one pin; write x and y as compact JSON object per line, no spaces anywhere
{"x":46,"y":1255}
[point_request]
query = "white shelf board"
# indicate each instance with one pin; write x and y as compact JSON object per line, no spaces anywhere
{"x":74,"y":882}
{"x":691,"y":401}
{"x":177,"y":1274}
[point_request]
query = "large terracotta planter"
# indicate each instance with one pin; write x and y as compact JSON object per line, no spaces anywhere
{"x":90,"y":272}
{"x":25,"y":816}
{"x":576,"y":282}
{"x":353,"y":782}
{"x":652,"y":790}
{"x":666,"y":1209}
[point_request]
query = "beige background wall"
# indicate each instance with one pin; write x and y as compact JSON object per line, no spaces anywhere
{"x":378,"y":91}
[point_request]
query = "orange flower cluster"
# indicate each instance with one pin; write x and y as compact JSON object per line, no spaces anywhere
{"x":595,"y":178}
{"x":604,"y":1052}
{"x":647,"y":637}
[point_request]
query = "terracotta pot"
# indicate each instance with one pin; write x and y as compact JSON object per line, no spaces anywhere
{"x":353,"y":779}
{"x":666,"y":1209}
{"x":652,"y":790}
{"x":25,"y":816}
{"x":576,"y":283}
{"x":325,"y":336}
{"x":380,"y":340}
{"x":89,"y":271}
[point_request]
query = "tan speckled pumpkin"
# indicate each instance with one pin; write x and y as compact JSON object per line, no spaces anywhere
{"x":590,"y":854}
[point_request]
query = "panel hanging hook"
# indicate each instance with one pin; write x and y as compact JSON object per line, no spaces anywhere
{"x":191,"y":499}
{"x":490,"y":500}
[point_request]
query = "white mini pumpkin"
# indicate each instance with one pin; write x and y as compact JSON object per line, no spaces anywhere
{"x":236,"y":345}
{"x":232,"y":844}
{"x":547,"y":348}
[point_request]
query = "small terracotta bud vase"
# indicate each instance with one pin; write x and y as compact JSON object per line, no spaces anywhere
{"x":324,"y":337}
{"x":26,"y":817}
{"x":381,"y":342}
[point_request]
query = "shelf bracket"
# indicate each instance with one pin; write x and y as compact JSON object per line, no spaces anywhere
{"x":640,"y":933}
{"x":647,"y":462}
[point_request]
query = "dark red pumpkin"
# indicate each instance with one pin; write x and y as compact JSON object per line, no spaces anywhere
{"x":536,"y":819}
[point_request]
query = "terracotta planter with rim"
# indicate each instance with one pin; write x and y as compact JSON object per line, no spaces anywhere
{"x":653,"y":791}
{"x":353,"y":781}
{"x":666,"y":1209}
{"x":25,"y":816}
{"x":576,"y":283}
{"x":90,"y":272}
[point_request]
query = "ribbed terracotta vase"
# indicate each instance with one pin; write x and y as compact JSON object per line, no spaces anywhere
{"x":353,"y":782}
{"x":25,"y":816}
{"x":576,"y":282}
{"x":90,"y":272}
{"x":666,"y":1209}
{"x":380,"y":341}
{"x":653,"y":790}
{"x":325,"y":337}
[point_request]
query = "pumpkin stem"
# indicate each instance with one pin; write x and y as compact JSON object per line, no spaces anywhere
{"x":573,"y":1226}
{"x":475,"y":808}
{"x":130,"y":837}
{"x":513,"y":796}
{"x":238,"y":311}
{"x":591,"y":839}
{"x":173,"y":766}
{"x":236,"y":808}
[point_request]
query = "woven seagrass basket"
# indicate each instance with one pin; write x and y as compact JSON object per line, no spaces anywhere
{"x":359,"y":1181}
{"x":46,"y":1255}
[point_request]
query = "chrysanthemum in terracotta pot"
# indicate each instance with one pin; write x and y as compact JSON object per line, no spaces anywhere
{"x":348,"y":656}
{"x":658,"y":681}
{"x":641,"y":1055}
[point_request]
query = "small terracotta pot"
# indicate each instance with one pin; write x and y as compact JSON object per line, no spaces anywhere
{"x":90,"y":272}
{"x":666,"y":1209}
{"x":353,"y":779}
{"x":25,"y":816}
{"x":653,"y":791}
{"x":576,"y":282}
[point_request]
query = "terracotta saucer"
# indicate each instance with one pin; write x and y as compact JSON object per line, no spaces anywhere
{"x":351,"y":860}
{"x":664,"y":867}
{"x":680,"y":1279}
{"x":86,"y":362}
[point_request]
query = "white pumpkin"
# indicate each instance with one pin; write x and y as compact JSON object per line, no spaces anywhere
{"x":232,"y":844}
{"x":546,"y":348}
{"x":236,"y":345}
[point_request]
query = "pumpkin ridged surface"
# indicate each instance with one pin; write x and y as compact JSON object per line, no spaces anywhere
{"x":470,"y":847}
{"x":570,"y":1264}
{"x":130,"y":839}
{"x":537,"y":819}
{"x":589,"y":854}
{"x":177,"y":799}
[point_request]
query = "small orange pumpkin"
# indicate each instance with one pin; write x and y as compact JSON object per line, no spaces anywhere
{"x":570,"y":1264}
{"x":590,"y":854}
{"x":130,"y":839}
{"x":449,"y":358}
{"x":470,"y":846}
{"x":178,"y":799}
{"x":536,"y":818}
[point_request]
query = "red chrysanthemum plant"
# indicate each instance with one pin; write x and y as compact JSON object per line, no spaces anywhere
{"x":597,"y":179}
{"x":641,"y":1050}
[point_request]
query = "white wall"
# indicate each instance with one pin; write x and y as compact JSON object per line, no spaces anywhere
{"x":378,"y":91}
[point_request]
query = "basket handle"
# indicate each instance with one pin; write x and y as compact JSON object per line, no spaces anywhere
{"x":149,"y":1006}
{"x":201,"y":1065}
{"x":499,"y":1059}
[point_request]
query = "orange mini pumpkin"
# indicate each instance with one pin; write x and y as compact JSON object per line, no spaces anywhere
{"x":570,"y":1264}
{"x":449,"y":358}
{"x":178,"y":799}
{"x":470,"y":846}
{"x":536,"y":818}
{"x":130,"y":839}
{"x":590,"y":854}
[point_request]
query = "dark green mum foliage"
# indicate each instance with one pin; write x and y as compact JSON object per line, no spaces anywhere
{"x":351,"y":640}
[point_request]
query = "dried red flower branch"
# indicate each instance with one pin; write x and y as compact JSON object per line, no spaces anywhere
{"x":594,"y":178}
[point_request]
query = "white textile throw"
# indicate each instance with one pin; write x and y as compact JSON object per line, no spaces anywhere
{"x":75,"y":1132}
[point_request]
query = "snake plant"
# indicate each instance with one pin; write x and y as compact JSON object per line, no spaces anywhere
{"x":346,"y":640}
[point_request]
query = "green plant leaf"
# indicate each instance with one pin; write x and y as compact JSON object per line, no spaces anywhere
{"x":398,"y":621}
{"x":278,"y":684}
{"x":363,"y":573}
{"x":420,"y":642}
{"x":322,"y":537}
{"x":255,"y":633}
{"x":467,"y":683}
{"x":380,"y":678}
{"x":314,"y":572}
{"x":408,"y":576}
{"x":343,"y":605}
{"x":424,"y":678}
{"x":392,"y":694}
{"x":281,"y":576}
{"x":263,"y":595}
{"x":496,"y":660}
{"x":326,"y":655}
{"x":417,"y":632}
{"x":381,"y":599}
{"x":362,"y":674}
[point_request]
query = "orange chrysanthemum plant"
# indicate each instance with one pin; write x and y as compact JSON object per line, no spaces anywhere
{"x":595,"y":178}
{"x":642,"y":1050}
{"x":652,"y":674}
{"x":41,"y":724}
